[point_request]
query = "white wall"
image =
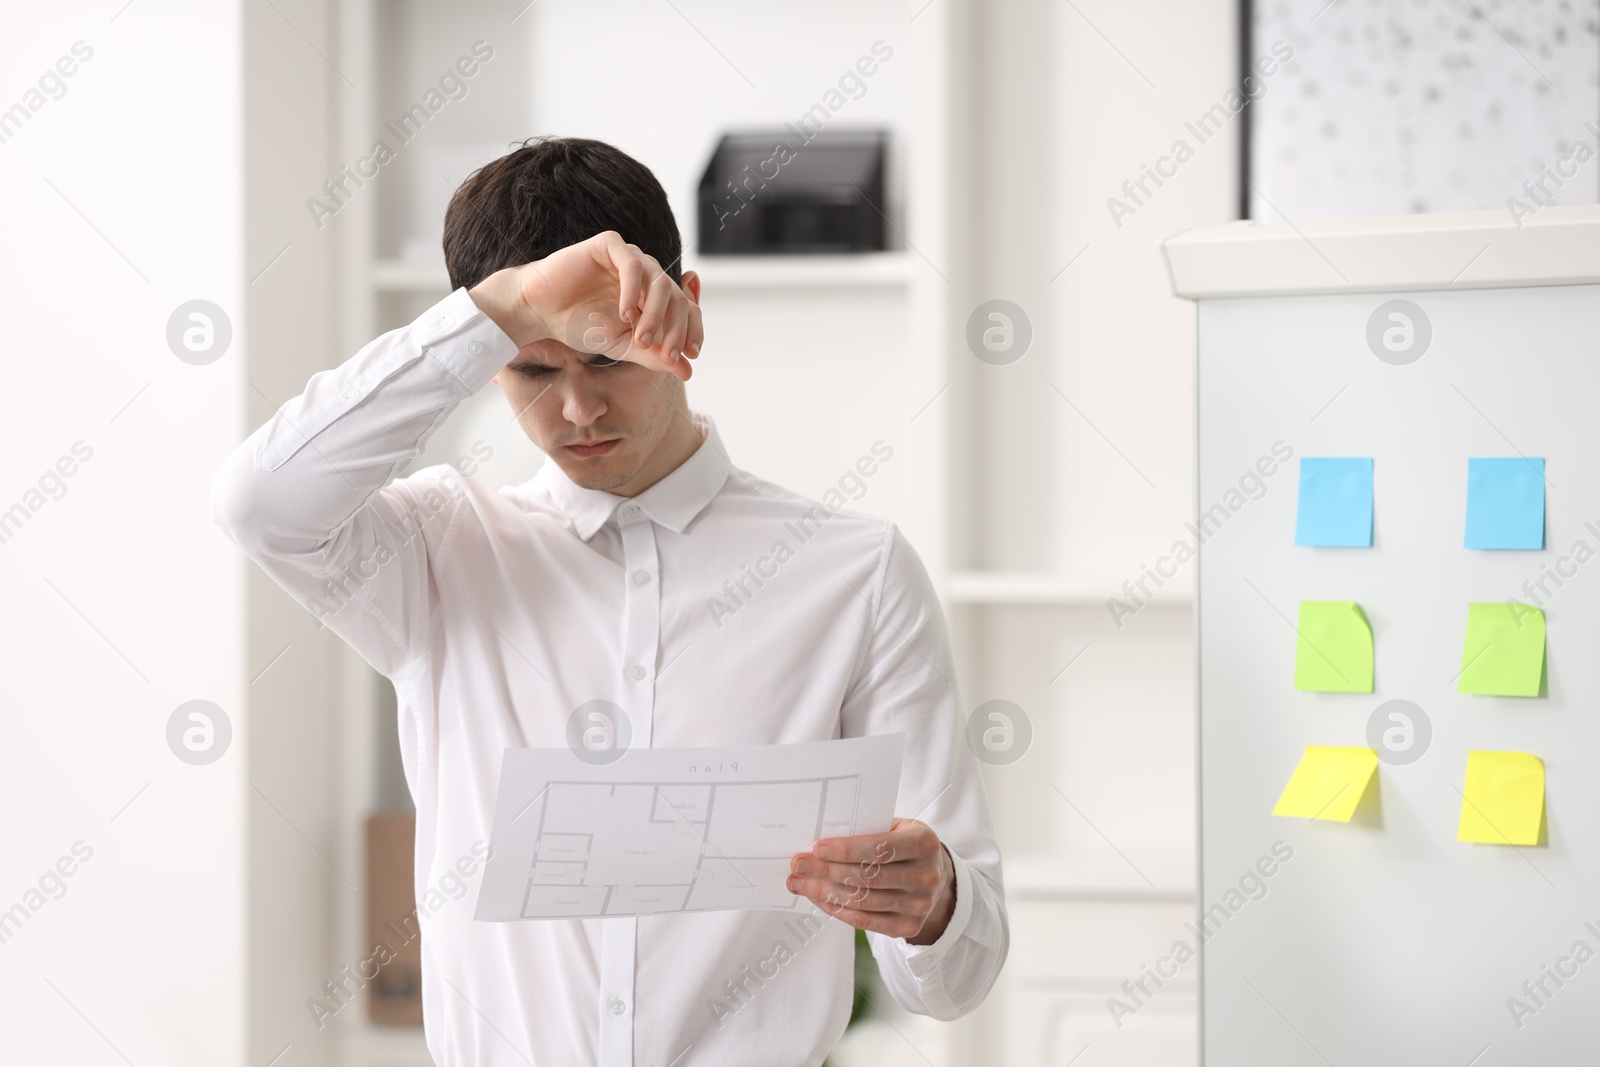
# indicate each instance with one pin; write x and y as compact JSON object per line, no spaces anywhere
{"x":1090,"y":435}
{"x":1082,"y":467}
{"x":1128,"y":79}
{"x":122,"y":200}
{"x":294,"y":888}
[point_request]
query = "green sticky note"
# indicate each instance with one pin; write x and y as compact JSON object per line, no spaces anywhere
{"x":1334,"y":651}
{"x":1503,"y":654}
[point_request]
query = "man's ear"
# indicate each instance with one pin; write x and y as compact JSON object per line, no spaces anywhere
{"x":691,"y":285}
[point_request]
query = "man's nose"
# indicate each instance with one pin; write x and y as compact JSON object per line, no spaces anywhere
{"x":582,"y":404}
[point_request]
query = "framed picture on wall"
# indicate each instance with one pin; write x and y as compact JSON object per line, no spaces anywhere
{"x":1380,"y":107}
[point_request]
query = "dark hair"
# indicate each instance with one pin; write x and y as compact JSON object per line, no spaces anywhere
{"x":550,"y":193}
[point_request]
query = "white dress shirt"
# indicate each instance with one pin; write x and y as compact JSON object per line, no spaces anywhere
{"x":714,"y":608}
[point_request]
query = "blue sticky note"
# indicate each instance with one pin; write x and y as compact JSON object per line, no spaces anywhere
{"x":1505,"y":503}
{"x":1335,"y":503}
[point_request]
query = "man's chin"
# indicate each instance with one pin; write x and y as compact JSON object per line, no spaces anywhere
{"x":597,"y":472}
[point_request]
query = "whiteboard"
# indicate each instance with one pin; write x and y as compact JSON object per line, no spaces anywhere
{"x":1384,"y":941}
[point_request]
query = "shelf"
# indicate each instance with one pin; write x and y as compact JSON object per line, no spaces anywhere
{"x":1402,"y":252}
{"x":1039,"y":587}
{"x":368,"y":1044}
{"x":874,"y":269}
{"x":1099,"y":876}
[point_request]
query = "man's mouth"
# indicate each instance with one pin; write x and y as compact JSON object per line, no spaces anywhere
{"x":594,"y":448}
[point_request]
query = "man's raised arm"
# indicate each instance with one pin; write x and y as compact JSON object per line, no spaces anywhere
{"x":308,"y":495}
{"x":311,"y":495}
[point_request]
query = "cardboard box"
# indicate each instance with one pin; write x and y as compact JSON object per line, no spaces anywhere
{"x":394,"y":935}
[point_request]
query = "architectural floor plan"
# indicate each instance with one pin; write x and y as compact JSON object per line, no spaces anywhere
{"x":668,"y":830}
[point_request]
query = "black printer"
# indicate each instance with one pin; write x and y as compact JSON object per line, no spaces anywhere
{"x":794,"y":190}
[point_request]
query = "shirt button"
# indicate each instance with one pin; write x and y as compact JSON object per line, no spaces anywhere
{"x":641,"y":577}
{"x":617,"y":1007}
{"x":476,"y":348}
{"x":630,"y":511}
{"x":636,"y":672}
{"x":446,"y":320}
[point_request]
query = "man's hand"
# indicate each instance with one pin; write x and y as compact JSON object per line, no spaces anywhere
{"x":602,"y":295}
{"x":901,"y":883}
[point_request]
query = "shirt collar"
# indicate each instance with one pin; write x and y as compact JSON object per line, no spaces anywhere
{"x":672,"y":502}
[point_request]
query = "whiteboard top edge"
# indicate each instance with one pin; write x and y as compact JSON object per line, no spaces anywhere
{"x":1393,"y":253}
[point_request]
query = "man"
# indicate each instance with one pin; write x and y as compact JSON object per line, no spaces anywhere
{"x":641,"y":568}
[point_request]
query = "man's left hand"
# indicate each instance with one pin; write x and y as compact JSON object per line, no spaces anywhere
{"x":901,"y":883}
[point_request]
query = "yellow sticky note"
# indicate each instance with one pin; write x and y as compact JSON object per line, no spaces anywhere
{"x":1503,"y":801}
{"x":1328,"y":783}
{"x":1334,"y":650}
{"x":1503,"y":654}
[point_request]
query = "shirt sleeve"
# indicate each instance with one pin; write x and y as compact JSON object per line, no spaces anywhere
{"x":311,"y":495}
{"x":906,"y":682}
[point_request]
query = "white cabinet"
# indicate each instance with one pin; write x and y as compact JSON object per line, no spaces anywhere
{"x":1063,"y":1026}
{"x":1084,"y":936}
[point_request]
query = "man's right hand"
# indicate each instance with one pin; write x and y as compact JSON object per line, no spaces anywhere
{"x":602,"y":295}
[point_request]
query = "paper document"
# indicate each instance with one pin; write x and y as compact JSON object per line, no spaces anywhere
{"x":676,"y":829}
